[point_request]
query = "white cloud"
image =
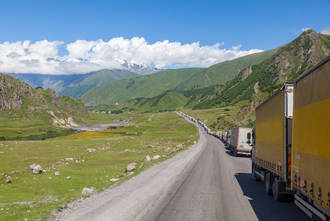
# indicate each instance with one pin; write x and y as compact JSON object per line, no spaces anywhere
{"x":326,"y":31}
{"x":85,"y":56}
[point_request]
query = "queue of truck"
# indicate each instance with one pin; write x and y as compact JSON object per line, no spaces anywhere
{"x":291,"y":152}
{"x":289,"y":145}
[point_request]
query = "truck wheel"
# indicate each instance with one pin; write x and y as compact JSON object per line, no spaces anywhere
{"x":276,"y":187}
{"x":268,"y":184}
{"x":256,"y":177}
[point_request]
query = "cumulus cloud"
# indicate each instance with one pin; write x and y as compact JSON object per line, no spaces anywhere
{"x":85,"y":56}
{"x":326,"y":31}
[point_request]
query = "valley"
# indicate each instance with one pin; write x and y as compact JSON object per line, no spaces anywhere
{"x":92,"y":131}
{"x":85,"y":159}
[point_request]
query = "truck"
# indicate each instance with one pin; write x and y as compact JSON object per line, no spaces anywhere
{"x":291,"y":154}
{"x":240,"y":142}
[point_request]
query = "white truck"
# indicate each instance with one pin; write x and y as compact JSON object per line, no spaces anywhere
{"x":241,"y":141}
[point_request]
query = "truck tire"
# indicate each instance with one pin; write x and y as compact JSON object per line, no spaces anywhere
{"x":277,"y":188}
{"x":268,"y":183}
{"x":256,"y":177}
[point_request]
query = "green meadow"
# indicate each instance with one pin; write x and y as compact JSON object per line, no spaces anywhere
{"x":34,"y":196}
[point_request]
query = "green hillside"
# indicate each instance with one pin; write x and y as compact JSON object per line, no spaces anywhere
{"x":222,"y":72}
{"x":248,"y":89}
{"x":178,"y":79}
{"x":28,"y":113}
{"x":167,"y":101}
{"x":141,"y":86}
{"x":252,"y":86}
{"x":96,"y":79}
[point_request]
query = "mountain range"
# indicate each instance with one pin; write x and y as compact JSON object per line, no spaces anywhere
{"x":172,"y":79}
{"x":245,"y":81}
{"x":246,"y":87}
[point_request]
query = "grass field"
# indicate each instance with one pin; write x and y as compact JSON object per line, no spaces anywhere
{"x":33,"y":197}
{"x":217,"y":118}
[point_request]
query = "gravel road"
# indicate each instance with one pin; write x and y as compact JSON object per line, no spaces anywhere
{"x":203,"y":183}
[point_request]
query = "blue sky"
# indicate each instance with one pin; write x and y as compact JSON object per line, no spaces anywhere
{"x":251,"y":24}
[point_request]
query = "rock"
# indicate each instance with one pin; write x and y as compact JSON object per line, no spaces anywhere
{"x":8,"y":179}
{"x":131,"y":167}
{"x":57,"y":173}
{"x":126,"y":150}
{"x":114,"y":180}
{"x":156,"y":157}
{"x":195,"y":142}
{"x":68,"y":177}
{"x":32,"y":166}
{"x":167,"y":149}
{"x":36,"y":168}
{"x":150,"y":146}
{"x":91,"y":150}
{"x":68,"y":159}
{"x":147,"y":158}
{"x":179,"y":146}
{"x":88,"y":191}
{"x":130,"y":173}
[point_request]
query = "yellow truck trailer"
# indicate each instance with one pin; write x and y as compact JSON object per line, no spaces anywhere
{"x":292,"y":153}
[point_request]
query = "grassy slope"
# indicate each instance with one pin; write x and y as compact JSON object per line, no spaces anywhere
{"x":178,"y":79}
{"x":286,"y":64}
{"x":167,"y":101}
{"x":32,"y":121}
{"x":225,"y":71}
{"x":45,"y":192}
{"x":96,"y":79}
{"x":142,"y":86}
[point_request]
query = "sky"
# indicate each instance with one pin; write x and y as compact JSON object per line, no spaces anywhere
{"x":71,"y":36}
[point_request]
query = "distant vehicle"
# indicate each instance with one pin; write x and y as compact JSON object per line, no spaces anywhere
{"x":240,"y":142}
{"x":292,"y":154}
{"x":227,"y":143}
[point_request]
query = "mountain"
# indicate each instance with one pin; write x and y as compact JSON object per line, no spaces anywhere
{"x":222,"y":72}
{"x":55,"y":82}
{"x":141,"y":86}
{"x":141,"y":69}
{"x":33,"y":111}
{"x":95,"y":79}
{"x":248,"y":89}
{"x":172,"y":79}
{"x":256,"y":83}
{"x":74,"y":85}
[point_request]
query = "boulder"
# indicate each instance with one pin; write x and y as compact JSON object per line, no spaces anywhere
{"x":91,"y":150}
{"x":68,"y":159}
{"x":36,"y":168}
{"x":179,"y":146}
{"x":57,"y":173}
{"x":8,"y":179}
{"x":131,"y":167}
{"x":88,"y":191}
{"x":68,"y":177}
{"x":147,"y":158}
{"x":156,"y":157}
{"x":130,"y":173}
{"x":114,"y":180}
